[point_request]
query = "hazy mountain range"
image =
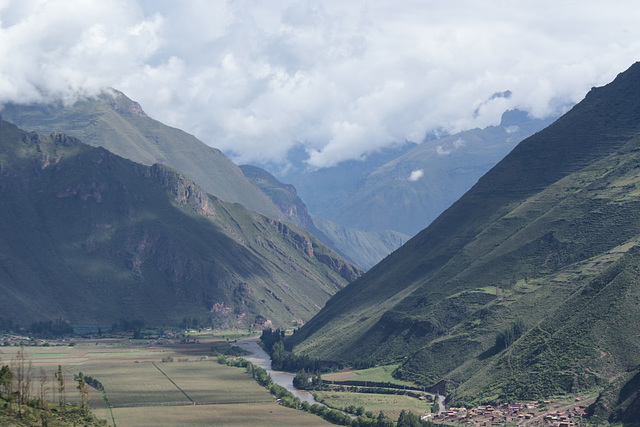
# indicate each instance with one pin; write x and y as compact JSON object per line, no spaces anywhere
{"x":405,"y":188}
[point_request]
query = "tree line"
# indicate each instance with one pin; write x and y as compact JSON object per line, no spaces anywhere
{"x":273,"y":342}
{"x":18,"y":382}
{"x":286,"y":398}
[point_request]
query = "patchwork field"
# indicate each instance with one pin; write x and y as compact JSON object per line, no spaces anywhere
{"x":142,"y":390}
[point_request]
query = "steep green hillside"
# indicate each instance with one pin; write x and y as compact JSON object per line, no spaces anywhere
{"x":363,"y":248}
{"x":527,"y":285}
{"x":119,"y":124}
{"x":92,"y":238}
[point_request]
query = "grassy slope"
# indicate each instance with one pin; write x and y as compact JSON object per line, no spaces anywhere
{"x":540,"y":225}
{"x":118,"y":124}
{"x":91,"y":237}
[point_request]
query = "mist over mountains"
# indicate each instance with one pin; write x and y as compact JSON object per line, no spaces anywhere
{"x":406,"y":188}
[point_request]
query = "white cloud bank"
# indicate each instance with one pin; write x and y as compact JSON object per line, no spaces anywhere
{"x":342,"y":79}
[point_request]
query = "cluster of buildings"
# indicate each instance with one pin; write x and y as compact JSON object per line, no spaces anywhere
{"x":530,"y":414}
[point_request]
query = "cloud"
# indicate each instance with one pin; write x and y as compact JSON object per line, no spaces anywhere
{"x":59,"y":50}
{"x":416,"y":175}
{"x":339,"y":79}
{"x":442,"y":151}
{"x":512,"y":129}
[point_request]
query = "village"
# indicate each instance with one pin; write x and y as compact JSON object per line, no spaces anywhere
{"x":519,"y":414}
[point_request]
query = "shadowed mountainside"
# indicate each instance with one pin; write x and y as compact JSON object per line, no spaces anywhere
{"x":89,"y":237}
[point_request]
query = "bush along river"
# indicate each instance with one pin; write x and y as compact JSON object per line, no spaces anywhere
{"x":259,"y":357}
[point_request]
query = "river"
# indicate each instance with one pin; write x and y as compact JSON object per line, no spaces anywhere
{"x":259,"y":357}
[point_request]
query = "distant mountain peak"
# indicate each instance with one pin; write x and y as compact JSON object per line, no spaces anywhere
{"x":121,"y":104}
{"x":513,"y":117}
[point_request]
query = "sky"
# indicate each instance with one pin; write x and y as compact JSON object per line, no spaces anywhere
{"x":339,"y":80}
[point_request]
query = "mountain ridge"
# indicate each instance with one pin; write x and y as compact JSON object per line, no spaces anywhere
{"x":119,"y":124}
{"x":362,"y":248}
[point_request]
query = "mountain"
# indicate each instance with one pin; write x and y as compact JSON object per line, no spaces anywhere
{"x":527,"y":286}
{"x":407,"y":192}
{"x":364,"y":249}
{"x":284,"y":196}
{"x":91,"y":238}
{"x":115,"y":122}
{"x":322,"y":187}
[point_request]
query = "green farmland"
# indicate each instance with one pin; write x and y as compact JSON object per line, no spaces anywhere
{"x":390,"y":404}
{"x":141,"y":390}
{"x":381,"y":374}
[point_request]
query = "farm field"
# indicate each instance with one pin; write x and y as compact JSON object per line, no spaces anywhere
{"x":390,"y":404}
{"x":376,"y":374}
{"x":142,"y":390}
{"x":258,"y":414}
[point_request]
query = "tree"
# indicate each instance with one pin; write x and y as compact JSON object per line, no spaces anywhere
{"x":22,"y":375}
{"x":301,"y":380}
{"x":61,"y":393}
{"x":507,"y":337}
{"x":6,"y":378}
{"x":43,"y":389}
{"x":84,"y":393}
{"x":408,"y":419}
{"x":384,"y":421}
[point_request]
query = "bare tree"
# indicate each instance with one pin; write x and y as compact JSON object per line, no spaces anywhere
{"x":43,"y":389}
{"x":61,"y":392}
{"x":84,"y":393}
{"x":18,"y":367}
{"x":53,"y":388}
{"x":26,"y":387}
